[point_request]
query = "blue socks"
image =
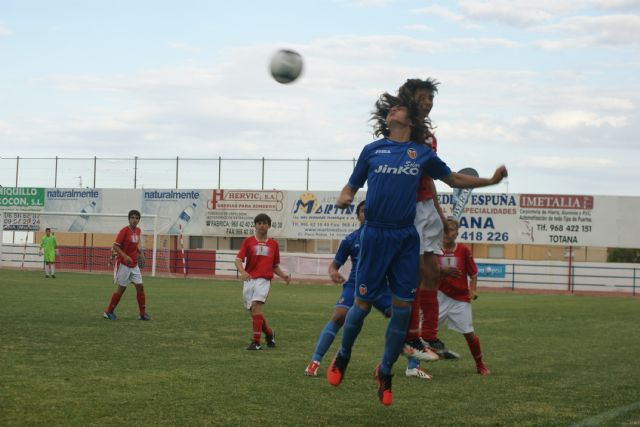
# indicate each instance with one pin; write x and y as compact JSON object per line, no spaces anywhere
{"x":325,"y":340}
{"x":352,"y":326}
{"x":413,"y":363}
{"x":395,"y":337}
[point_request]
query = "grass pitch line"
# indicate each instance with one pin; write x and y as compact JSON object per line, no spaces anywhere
{"x":607,"y":416}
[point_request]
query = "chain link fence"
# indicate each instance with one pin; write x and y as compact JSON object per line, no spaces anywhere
{"x":141,"y":172}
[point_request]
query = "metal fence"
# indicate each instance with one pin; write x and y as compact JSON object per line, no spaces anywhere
{"x":178,"y":172}
{"x":531,"y":276}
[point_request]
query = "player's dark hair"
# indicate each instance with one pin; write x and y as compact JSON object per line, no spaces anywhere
{"x":47,"y":229}
{"x":360,"y":206}
{"x":382,"y":107}
{"x":134,"y":212}
{"x":262,"y":218}
{"x":411,"y":86}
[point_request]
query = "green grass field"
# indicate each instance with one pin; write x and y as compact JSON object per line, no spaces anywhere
{"x":556,"y":360}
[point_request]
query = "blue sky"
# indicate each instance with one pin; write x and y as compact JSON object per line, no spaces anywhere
{"x":549,"y":88}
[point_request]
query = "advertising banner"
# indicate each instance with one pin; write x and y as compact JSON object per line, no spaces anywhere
{"x":491,"y":270}
{"x":562,"y":220}
{"x":538,"y":219}
{"x":28,"y":200}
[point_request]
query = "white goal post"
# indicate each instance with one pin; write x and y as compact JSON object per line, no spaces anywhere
{"x":74,"y":222}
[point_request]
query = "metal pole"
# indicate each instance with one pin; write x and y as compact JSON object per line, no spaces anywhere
{"x":219,"y":171}
{"x":570,"y":259}
{"x":55,"y":176}
{"x":513,"y":277}
{"x":262,"y":173}
{"x":634,"y":282}
{"x":155,"y":246}
{"x":308,"y":166}
{"x":135,"y":172}
{"x":95,"y":170}
{"x":17,"y":168}
{"x":177,"y":168}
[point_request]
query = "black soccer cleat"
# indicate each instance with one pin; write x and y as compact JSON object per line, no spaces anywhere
{"x":254,"y":346}
{"x":271,"y":339}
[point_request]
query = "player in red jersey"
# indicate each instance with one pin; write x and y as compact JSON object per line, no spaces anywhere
{"x":127,"y":268}
{"x":262,"y":255}
{"x":421,"y":340}
{"x":456,"y":292}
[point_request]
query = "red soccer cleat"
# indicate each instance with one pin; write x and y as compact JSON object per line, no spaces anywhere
{"x":336,"y":370}
{"x":483,"y":370}
{"x":384,"y":387}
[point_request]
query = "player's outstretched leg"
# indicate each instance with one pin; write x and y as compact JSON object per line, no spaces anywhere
{"x":326,"y":338}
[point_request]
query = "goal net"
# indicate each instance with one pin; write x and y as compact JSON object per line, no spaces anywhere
{"x":84,"y":240}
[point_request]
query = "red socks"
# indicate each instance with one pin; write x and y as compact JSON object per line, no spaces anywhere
{"x":258,"y":322}
{"x":429,"y":307}
{"x":115,"y":299}
{"x":474,"y":347}
{"x":141,"y":302}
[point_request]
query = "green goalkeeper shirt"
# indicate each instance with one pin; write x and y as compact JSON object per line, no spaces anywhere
{"x":49,"y":245}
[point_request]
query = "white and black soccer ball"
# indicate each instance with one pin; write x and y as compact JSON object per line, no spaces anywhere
{"x":286,"y":66}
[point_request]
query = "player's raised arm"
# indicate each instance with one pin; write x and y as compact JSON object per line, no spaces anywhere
{"x":458,"y":180}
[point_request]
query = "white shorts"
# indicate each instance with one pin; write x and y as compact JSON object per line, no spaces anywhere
{"x":255,"y":290}
{"x":458,"y":313}
{"x":429,"y":226}
{"x":125,"y":275}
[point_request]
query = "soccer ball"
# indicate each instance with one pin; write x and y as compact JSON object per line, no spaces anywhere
{"x":286,"y":66}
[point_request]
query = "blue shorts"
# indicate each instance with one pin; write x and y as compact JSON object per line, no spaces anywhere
{"x":347,"y":298}
{"x":388,"y":254}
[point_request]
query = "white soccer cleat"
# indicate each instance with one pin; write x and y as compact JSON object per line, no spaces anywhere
{"x":417,"y":350}
{"x":312,"y":369}
{"x":418,"y":373}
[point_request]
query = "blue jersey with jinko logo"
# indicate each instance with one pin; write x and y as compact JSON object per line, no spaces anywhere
{"x":392,"y":170}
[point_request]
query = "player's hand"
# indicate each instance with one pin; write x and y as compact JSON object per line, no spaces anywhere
{"x":127,"y":259}
{"x":39,"y":253}
{"x":245,"y":276}
{"x":499,"y":174}
{"x":344,"y":201}
{"x":473,"y":295}
{"x":336,"y":277}
{"x":451,"y":272}
{"x":287,"y":278}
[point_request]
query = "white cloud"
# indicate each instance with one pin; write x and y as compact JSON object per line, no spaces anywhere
{"x":4,"y":31}
{"x":566,"y":120}
{"x":438,"y":11}
{"x":418,"y":27}
{"x":512,"y":13}
{"x":599,"y":30}
{"x":564,"y":163}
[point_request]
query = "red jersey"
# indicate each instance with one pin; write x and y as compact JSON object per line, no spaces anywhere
{"x":128,"y":241}
{"x":461,"y":258}
{"x":261,"y":257}
{"x":424,"y":193}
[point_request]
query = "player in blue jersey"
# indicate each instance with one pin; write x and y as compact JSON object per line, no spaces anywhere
{"x":349,"y":247}
{"x":389,"y":242}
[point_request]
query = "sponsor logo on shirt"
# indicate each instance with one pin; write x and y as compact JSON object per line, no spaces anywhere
{"x":382,"y":152}
{"x":408,"y":169}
